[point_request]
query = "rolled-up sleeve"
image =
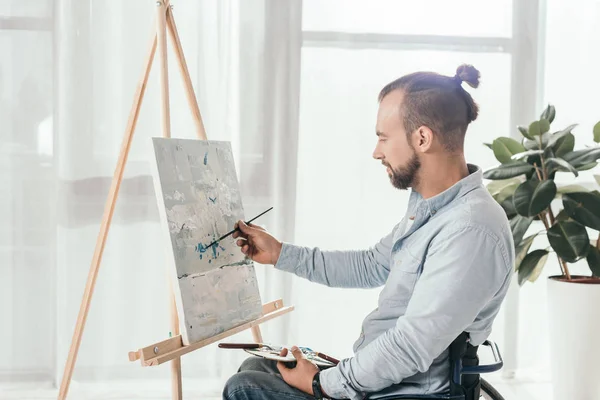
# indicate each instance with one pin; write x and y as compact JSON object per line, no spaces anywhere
{"x":461,"y":275}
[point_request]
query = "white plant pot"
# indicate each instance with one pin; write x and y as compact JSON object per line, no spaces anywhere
{"x":574,"y":316}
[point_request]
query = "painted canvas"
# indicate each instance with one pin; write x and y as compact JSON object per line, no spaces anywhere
{"x":199,"y":201}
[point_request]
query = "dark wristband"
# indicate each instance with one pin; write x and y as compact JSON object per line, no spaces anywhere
{"x":316,"y":386}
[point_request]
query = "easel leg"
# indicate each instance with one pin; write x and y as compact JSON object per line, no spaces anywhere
{"x":256,"y":335}
{"x":161,"y":22}
{"x":105,"y":225}
{"x":176,"y":384}
{"x":185,"y":74}
{"x":161,"y":33}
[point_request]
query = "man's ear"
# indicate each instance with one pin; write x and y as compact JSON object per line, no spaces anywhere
{"x":423,"y":138}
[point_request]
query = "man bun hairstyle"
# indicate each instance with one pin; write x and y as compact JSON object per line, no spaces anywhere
{"x":469,"y":74}
{"x":438,"y":102}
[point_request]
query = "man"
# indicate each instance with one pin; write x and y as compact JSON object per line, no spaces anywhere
{"x":445,"y":267}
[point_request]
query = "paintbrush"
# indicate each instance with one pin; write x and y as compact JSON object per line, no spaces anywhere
{"x":236,"y":229}
{"x":244,"y":346}
{"x":328,"y":358}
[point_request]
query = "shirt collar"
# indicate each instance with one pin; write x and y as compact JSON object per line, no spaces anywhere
{"x":459,"y":189}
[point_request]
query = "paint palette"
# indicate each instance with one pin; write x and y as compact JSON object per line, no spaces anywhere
{"x":273,"y":354}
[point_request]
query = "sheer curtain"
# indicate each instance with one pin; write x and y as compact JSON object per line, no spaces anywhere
{"x":571,"y":54}
{"x":345,"y":199}
{"x":351,"y":50}
{"x":68,"y":90}
{"x":300,"y":114}
{"x":28,"y":188}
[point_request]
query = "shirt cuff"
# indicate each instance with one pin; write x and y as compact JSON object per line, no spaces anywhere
{"x":335,"y":386}
{"x":288,"y":257}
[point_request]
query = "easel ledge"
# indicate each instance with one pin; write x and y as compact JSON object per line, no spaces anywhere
{"x":172,"y":348}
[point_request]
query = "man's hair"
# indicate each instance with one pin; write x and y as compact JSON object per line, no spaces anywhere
{"x":438,"y":102}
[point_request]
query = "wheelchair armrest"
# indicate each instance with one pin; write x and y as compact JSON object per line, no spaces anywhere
{"x":483,"y":369}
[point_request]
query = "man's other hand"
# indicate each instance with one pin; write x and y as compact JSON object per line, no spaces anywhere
{"x":257,"y":243}
{"x":302,"y":375}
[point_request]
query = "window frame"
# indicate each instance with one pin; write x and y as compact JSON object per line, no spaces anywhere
{"x":526,"y":47}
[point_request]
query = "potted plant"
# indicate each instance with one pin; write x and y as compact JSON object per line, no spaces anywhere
{"x":564,"y":220}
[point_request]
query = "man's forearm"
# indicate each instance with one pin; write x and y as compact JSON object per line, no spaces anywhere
{"x":349,"y":269}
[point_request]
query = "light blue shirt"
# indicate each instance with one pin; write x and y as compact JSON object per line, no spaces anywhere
{"x":445,"y":269}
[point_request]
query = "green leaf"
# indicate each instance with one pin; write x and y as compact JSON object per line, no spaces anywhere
{"x":533,"y":197}
{"x":562,"y":216}
{"x":582,"y":157}
{"x":583,"y":207}
{"x":505,"y":147}
{"x":569,"y":239}
{"x":535,"y":144}
{"x":524,"y":132}
{"x":557,"y":164}
{"x":527,"y":154}
{"x":544,"y":125}
{"x":597,"y":178}
{"x":593,"y":260}
{"x":535,"y":129}
{"x":522,"y":249}
{"x":549,"y":113}
{"x":518,"y":227}
{"x":586,"y":167}
{"x":571,"y":189}
{"x":531,"y":144}
{"x":597,"y":132}
{"x":564,"y":145}
{"x":509,"y":208}
{"x":532,"y":265}
{"x":488,"y":145}
{"x":503,"y":189}
{"x":560,"y":134}
{"x":508,"y":170}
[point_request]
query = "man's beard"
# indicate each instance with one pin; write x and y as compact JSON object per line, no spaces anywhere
{"x":405,"y":177}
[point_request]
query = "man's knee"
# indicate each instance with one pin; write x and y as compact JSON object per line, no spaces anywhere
{"x":256,"y":364}
{"x":241,"y":385}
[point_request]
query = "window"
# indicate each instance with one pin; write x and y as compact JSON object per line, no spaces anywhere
{"x":351,"y":49}
{"x":427,"y":17}
{"x":572,"y":57}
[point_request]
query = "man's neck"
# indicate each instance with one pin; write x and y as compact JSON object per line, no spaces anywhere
{"x":441,"y":175}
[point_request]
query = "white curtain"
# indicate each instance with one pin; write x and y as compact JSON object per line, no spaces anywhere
{"x":344,"y":197}
{"x":301,"y":123}
{"x":68,"y":92}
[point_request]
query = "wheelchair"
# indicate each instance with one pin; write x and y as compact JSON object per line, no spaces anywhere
{"x":465,"y":380}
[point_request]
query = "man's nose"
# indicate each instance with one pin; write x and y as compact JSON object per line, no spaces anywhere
{"x":377,"y":154}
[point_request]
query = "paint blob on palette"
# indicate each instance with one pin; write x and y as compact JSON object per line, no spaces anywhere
{"x":199,"y":201}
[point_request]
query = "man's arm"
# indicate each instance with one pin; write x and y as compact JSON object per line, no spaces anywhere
{"x":349,"y":269}
{"x":368,"y":268}
{"x":460,"y":277}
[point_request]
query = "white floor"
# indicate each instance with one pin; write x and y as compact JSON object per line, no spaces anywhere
{"x":511,"y":390}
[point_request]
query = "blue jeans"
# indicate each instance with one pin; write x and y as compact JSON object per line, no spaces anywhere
{"x":259,"y":379}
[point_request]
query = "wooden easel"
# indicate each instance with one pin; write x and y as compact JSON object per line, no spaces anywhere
{"x":170,"y":349}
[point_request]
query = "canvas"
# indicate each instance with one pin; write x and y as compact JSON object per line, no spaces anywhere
{"x":199,"y":201}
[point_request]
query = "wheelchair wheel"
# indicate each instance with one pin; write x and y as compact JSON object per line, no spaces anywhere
{"x":488,"y":392}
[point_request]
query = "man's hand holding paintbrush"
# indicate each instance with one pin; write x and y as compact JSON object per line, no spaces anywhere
{"x":257,"y":243}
